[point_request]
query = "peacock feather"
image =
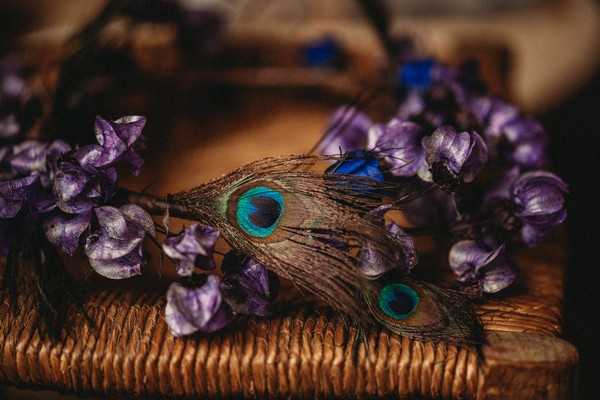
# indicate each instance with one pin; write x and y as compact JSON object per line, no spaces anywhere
{"x":308,"y":227}
{"x":424,"y":311}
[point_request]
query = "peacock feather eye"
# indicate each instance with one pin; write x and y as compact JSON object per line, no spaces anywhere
{"x":259,"y":211}
{"x":398,"y":301}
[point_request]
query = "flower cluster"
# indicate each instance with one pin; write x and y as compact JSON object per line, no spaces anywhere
{"x":67,"y":192}
{"x":197,"y":305}
{"x":70,"y":196}
{"x":449,"y":133}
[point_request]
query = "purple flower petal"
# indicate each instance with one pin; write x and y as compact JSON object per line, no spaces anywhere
{"x":400,"y":144}
{"x":494,"y":114}
{"x":64,"y":230}
{"x":413,"y":104}
{"x":69,"y":183}
{"x":533,"y":235}
{"x":14,"y":193}
{"x":452,"y":155}
{"x":541,"y":198}
{"x":473,"y":262}
{"x":136,"y":215}
{"x":112,"y":221}
{"x":135,"y":161}
{"x":347,"y":131}
{"x":112,"y":145}
{"x":129,"y":128}
{"x":88,"y":156}
{"x":498,"y":276}
{"x":9,"y":208}
{"x":193,"y":309}
{"x":100,"y":246}
{"x":119,"y":268}
{"x":29,"y":156}
{"x":193,"y":246}
{"x":246,"y":285}
{"x":529,"y":154}
{"x":521,"y":129}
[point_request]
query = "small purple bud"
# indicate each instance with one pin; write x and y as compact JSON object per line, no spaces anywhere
{"x":14,"y":193}
{"x":474,"y":262}
{"x":347,"y":130}
{"x":192,"y":248}
{"x":115,"y":249}
{"x":400,"y":144}
{"x":540,"y":200}
{"x":247,"y":285}
{"x":454,"y":157}
{"x":196,"y":309}
{"x":64,"y":230}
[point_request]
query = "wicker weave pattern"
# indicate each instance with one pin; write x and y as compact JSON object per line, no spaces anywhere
{"x":306,"y":354}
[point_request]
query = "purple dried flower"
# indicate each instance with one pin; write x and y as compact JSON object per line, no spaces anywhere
{"x":193,"y":309}
{"x":474,"y":262}
{"x":115,"y":249}
{"x":192,"y":248}
{"x":118,"y":141}
{"x":348,"y":129}
{"x":413,"y":104}
{"x":79,"y":189}
{"x":65,"y":230}
{"x":247,"y":285}
{"x":454,"y":157}
{"x":536,"y":199}
{"x":517,"y":139}
{"x":400,"y":144}
{"x":540,"y":200}
{"x":32,"y":156}
{"x":14,"y":193}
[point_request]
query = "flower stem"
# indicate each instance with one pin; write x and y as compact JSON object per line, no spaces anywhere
{"x":157,"y":205}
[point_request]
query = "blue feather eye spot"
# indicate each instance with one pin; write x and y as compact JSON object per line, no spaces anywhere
{"x":259,"y":211}
{"x":398,"y":301}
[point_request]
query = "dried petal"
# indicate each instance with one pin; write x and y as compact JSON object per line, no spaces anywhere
{"x":136,"y":215}
{"x":112,"y":145}
{"x":192,"y":248}
{"x":119,"y":268}
{"x":247,"y":285}
{"x":400,"y":144}
{"x":193,"y":309}
{"x":473,"y":262}
{"x":14,"y":193}
{"x":454,"y":156}
{"x":347,"y":130}
{"x":101,"y":246}
{"x":112,"y":221}
{"x":540,"y":196}
{"x":129,"y":128}
{"x":65,"y":230}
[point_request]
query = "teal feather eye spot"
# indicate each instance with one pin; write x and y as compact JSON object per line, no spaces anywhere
{"x":259,"y":210}
{"x":398,"y":301}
